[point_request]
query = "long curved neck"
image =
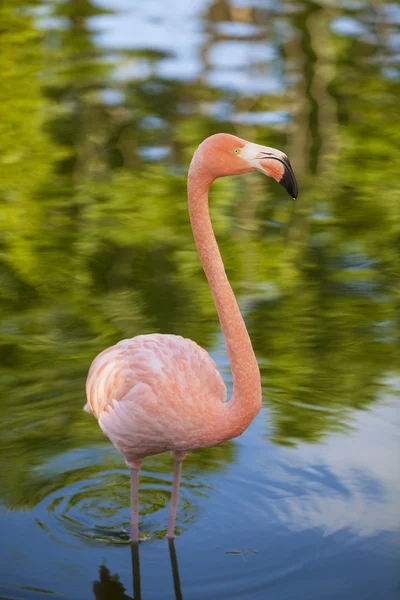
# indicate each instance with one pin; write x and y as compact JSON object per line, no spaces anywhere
{"x":246,"y":399}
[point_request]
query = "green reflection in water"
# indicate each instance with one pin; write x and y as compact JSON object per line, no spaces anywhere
{"x":96,"y":245}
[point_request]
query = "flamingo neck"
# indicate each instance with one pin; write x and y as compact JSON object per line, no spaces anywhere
{"x":246,"y":398}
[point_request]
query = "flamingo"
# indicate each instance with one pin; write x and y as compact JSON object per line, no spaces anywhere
{"x":156,"y":393}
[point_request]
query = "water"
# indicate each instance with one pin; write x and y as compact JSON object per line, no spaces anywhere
{"x":102,"y":106}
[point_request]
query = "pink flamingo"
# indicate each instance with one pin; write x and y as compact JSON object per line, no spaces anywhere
{"x":154,"y":393}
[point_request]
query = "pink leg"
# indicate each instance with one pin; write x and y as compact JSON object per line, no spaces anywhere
{"x":135,"y":466}
{"x":179,"y":456}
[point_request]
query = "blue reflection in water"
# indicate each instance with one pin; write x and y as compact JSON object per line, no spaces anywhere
{"x":306,"y":515}
{"x":100,"y":114}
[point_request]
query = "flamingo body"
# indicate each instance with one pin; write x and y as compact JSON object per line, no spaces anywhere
{"x":154,"y":393}
{"x":158,"y":392}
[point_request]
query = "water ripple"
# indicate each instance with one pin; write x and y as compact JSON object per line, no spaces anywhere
{"x":96,"y":509}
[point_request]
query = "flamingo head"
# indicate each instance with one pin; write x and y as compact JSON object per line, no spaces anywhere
{"x":223,"y":154}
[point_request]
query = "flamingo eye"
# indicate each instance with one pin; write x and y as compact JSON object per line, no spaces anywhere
{"x":236,"y":151}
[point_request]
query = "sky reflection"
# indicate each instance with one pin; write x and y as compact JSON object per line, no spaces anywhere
{"x":347,"y":482}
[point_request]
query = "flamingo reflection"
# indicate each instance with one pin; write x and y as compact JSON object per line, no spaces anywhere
{"x":109,"y":587}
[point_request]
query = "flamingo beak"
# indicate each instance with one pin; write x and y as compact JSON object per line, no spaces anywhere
{"x":278,"y":166}
{"x":288,"y":180}
{"x":273,"y":163}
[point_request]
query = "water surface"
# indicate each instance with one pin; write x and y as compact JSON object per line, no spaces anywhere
{"x":102,"y":105}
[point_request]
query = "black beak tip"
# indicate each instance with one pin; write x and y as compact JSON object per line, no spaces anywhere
{"x":288,"y":181}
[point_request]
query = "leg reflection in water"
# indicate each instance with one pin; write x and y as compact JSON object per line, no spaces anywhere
{"x":175,"y":571}
{"x":109,"y":587}
{"x":136,"y":570}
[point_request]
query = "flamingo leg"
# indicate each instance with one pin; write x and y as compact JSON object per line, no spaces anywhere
{"x":135,"y":467}
{"x":179,"y":456}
